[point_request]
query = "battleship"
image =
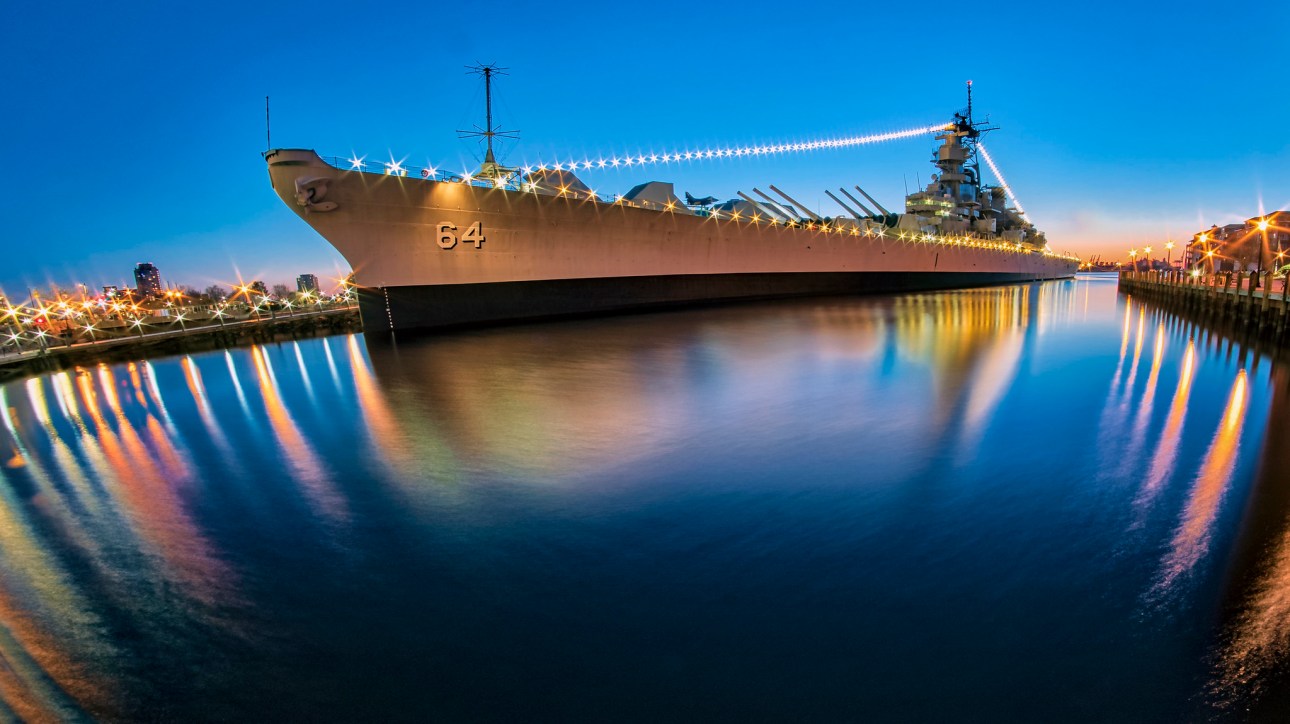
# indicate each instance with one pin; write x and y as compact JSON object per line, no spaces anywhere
{"x":431,"y":249}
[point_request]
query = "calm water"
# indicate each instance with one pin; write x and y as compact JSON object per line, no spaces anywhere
{"x":1027,"y":503}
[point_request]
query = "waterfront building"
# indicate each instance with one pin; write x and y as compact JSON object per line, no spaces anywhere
{"x":1259,"y":243}
{"x":147,"y":279}
{"x":111,"y":291}
{"x":1223,"y":241}
{"x":307,"y":283}
{"x":1272,"y":233}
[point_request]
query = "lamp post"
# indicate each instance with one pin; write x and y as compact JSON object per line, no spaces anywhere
{"x":1133,"y":254}
{"x":1169,"y":258}
{"x":1263,"y":241}
{"x":1280,"y":262}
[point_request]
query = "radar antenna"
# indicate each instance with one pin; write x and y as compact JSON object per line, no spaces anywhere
{"x":491,"y":168}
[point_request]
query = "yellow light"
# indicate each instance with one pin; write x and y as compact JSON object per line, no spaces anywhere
{"x":1169,"y":245}
{"x":1263,"y":224}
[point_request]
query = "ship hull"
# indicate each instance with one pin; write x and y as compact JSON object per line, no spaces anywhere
{"x":436,"y":254}
{"x":442,"y":306}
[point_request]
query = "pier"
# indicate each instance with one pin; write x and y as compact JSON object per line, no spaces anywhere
{"x":1252,"y":303}
{"x":59,"y":354}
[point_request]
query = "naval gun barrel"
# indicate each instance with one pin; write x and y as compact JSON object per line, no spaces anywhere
{"x":796,"y":203}
{"x":767,"y":210}
{"x":857,"y":203}
{"x":838,"y":201}
{"x":787,"y":214}
{"x":876,"y":205}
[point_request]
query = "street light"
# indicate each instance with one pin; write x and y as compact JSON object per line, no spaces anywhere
{"x":1263,"y":241}
{"x":1133,"y":254}
{"x":1169,"y":259}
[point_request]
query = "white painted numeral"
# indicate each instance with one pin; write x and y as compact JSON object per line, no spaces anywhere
{"x":447,"y":235}
{"x":474,"y":235}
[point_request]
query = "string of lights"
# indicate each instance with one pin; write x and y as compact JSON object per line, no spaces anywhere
{"x":643,"y":159}
{"x":999,"y":175}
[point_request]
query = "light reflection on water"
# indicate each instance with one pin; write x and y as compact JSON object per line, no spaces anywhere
{"x":791,"y":510}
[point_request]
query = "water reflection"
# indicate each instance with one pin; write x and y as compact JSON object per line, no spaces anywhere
{"x":262,"y":515}
{"x":1191,"y":540}
{"x":1166,"y":453}
{"x":1254,"y":650}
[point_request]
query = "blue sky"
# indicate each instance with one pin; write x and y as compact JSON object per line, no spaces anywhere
{"x":133,"y":133}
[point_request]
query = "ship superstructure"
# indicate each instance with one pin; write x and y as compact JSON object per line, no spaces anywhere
{"x":431,"y":249}
{"x":958,"y":202}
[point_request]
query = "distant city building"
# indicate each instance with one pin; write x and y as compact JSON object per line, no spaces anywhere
{"x":147,"y":279}
{"x":258,"y":287}
{"x":307,"y":283}
{"x":111,"y":291}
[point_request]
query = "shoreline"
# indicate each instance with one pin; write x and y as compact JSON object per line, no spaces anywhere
{"x":183,"y":341}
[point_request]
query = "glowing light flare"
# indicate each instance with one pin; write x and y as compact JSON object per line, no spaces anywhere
{"x":994,"y":168}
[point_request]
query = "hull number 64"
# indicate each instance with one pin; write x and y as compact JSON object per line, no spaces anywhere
{"x":474,"y":234}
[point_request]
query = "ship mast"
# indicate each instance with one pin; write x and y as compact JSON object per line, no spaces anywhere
{"x":972,"y":132}
{"x":490,"y":169}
